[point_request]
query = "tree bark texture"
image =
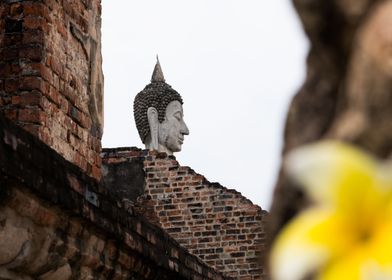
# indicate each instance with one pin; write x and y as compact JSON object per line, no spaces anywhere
{"x":347,"y":94}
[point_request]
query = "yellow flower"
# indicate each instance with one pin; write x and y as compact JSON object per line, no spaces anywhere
{"x":347,"y":232}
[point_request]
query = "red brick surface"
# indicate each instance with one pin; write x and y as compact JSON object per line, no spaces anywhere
{"x":58,"y":223}
{"x":45,"y":73}
{"x":219,"y":225}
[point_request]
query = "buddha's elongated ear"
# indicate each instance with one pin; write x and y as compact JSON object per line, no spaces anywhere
{"x":152,"y":116}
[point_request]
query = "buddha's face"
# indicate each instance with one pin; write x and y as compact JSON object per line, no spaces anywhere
{"x":173,"y":128}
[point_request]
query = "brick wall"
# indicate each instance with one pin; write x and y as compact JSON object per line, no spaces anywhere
{"x":58,"y":224}
{"x":51,"y":76}
{"x":217,"y":224}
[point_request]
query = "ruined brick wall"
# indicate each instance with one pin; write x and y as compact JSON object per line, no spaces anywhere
{"x":56,"y":223}
{"x":51,"y":77}
{"x":218,"y":225}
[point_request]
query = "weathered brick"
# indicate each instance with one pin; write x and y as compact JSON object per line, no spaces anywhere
{"x":11,"y":85}
{"x":28,"y":99}
{"x":33,"y":37}
{"x":40,"y":53}
{"x":205,"y":217}
{"x":36,"y":9}
{"x":35,"y":23}
{"x":30,"y":115}
{"x":32,"y":53}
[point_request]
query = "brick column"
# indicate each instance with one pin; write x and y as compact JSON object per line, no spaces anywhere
{"x":51,"y":78}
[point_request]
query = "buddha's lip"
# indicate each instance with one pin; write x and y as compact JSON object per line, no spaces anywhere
{"x":181,"y":140}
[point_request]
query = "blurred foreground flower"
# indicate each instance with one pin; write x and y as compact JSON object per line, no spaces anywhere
{"x":347,"y":232}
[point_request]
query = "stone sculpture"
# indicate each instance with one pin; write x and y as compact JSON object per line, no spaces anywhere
{"x":159,"y":115}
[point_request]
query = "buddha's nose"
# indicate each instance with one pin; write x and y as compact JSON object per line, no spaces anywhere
{"x":184,"y":129}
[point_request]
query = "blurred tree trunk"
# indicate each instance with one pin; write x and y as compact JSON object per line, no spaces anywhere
{"x":347,"y":94}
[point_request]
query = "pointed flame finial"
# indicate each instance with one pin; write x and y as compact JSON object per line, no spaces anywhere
{"x":157,"y":75}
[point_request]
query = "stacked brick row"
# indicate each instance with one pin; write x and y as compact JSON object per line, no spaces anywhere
{"x":220,"y":226}
{"x":50,"y":75}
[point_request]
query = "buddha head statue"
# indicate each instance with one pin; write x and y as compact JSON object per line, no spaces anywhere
{"x":159,"y":115}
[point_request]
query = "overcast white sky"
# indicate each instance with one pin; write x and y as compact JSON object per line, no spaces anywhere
{"x":236,"y":63}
